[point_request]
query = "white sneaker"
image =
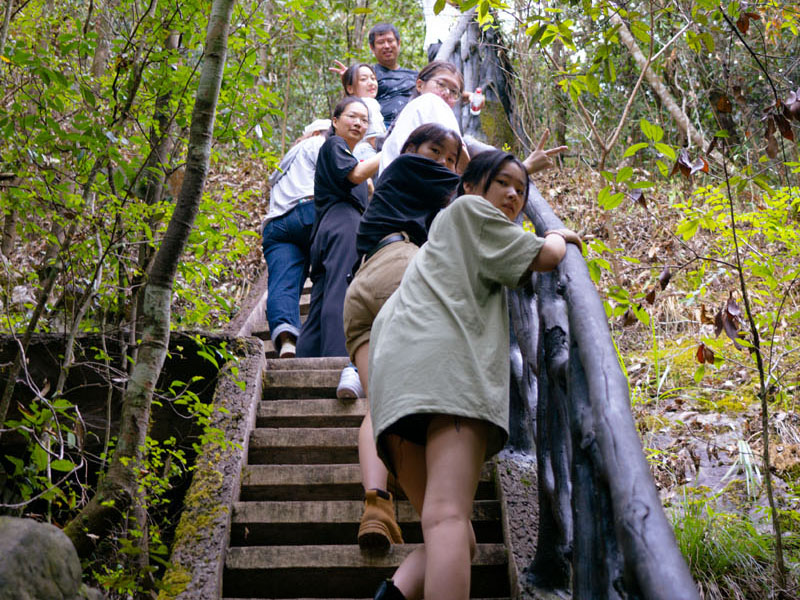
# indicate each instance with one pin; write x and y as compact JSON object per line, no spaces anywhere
{"x":349,"y":387}
{"x":288,"y":350}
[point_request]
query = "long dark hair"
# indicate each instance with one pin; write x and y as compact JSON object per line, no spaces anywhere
{"x":434,"y":67}
{"x":350,"y":76}
{"x":432,"y":132}
{"x":482,"y":170}
{"x":339,"y":109}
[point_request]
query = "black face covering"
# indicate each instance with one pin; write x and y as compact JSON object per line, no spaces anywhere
{"x":409,"y":194}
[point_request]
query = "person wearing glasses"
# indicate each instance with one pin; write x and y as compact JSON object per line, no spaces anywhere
{"x":439,"y":87}
{"x":340,"y":198}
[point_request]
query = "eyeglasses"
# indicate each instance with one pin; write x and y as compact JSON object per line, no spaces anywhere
{"x":355,"y":117}
{"x":446,"y":89}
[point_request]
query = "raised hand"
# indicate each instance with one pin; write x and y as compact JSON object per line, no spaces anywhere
{"x":541,"y":159}
{"x":338,"y":67}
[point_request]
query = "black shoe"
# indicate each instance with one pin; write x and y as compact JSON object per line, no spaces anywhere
{"x":387,"y":591}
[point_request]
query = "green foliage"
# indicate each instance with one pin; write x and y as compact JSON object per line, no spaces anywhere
{"x":727,"y":555}
{"x":48,"y":468}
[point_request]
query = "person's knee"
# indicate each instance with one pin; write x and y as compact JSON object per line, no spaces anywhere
{"x":443,"y":514}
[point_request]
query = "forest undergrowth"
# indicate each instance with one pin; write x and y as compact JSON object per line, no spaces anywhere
{"x":695,"y":390}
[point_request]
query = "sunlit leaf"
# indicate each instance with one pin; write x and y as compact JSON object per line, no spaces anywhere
{"x":667,"y":151}
{"x":631,"y":150}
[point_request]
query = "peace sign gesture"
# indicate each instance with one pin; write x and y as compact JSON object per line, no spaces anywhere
{"x":338,"y":67}
{"x":540,"y":159}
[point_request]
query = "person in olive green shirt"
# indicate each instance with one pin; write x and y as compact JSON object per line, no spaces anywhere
{"x":438,"y":371}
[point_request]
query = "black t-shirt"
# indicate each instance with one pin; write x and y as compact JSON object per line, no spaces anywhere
{"x":395,"y":87}
{"x":408,"y":195}
{"x":331,"y":185}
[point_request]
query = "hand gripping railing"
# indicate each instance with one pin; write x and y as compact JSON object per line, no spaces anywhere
{"x":600,"y":517}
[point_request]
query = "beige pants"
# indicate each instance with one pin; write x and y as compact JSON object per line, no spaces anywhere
{"x":374,"y":282}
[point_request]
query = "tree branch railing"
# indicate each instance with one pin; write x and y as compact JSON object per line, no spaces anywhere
{"x":602,"y":529}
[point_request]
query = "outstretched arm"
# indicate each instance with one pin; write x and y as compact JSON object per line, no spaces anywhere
{"x":364,"y":169}
{"x":541,"y":159}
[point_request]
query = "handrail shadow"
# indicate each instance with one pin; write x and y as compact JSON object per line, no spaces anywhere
{"x":602,"y":528}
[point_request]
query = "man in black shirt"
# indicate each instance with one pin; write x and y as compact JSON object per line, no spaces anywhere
{"x":395,"y":83}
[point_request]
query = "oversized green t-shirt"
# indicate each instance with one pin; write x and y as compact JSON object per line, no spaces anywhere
{"x":440,"y":344}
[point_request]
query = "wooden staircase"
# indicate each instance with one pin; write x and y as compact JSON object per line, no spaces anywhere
{"x":293,"y":530}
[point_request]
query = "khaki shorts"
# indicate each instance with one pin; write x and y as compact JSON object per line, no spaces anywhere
{"x":374,"y":282}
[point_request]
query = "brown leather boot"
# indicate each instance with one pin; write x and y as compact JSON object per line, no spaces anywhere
{"x":379,"y":527}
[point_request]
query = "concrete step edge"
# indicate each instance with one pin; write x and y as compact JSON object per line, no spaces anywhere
{"x":275,"y":558}
{"x":336,"y":511}
{"x":298,"y":474}
{"x":311,"y":407}
{"x":304,"y":437}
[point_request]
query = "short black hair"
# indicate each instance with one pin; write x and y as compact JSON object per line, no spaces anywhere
{"x":485,"y":167}
{"x":432,"y":132}
{"x":382,"y":28}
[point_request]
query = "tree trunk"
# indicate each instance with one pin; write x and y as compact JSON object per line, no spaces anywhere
{"x":675,"y":111}
{"x":10,"y":225}
{"x":102,"y":51}
{"x":475,"y":53}
{"x":10,"y":222}
{"x":6,"y":22}
{"x":118,"y":488}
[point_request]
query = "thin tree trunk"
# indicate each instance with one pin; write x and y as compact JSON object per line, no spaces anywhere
{"x":103,"y":50}
{"x":155,"y":168}
{"x":10,"y":223}
{"x":675,"y":111}
{"x":449,"y":45}
{"x":118,"y":488}
{"x":9,"y":227}
{"x":560,"y":108}
{"x":6,"y":22}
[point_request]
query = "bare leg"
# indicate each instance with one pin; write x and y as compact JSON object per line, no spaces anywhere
{"x":454,"y":456}
{"x":440,"y":481}
{"x":378,"y":528}
{"x":373,"y":472}
{"x":409,"y":461}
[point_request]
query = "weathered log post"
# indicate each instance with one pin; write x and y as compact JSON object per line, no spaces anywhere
{"x":524,"y":376}
{"x":599,"y":506}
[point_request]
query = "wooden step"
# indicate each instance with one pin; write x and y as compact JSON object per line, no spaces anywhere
{"x":288,"y":383}
{"x":293,"y":532}
{"x":311,"y":412}
{"x":340,"y":571}
{"x":303,"y":445}
{"x":322,"y":482}
{"x":309,"y":364}
{"x":332,"y":522}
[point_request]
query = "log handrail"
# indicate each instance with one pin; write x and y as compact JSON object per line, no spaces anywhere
{"x":602,"y":527}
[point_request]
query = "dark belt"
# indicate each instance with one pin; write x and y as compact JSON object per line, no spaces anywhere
{"x":389,"y":239}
